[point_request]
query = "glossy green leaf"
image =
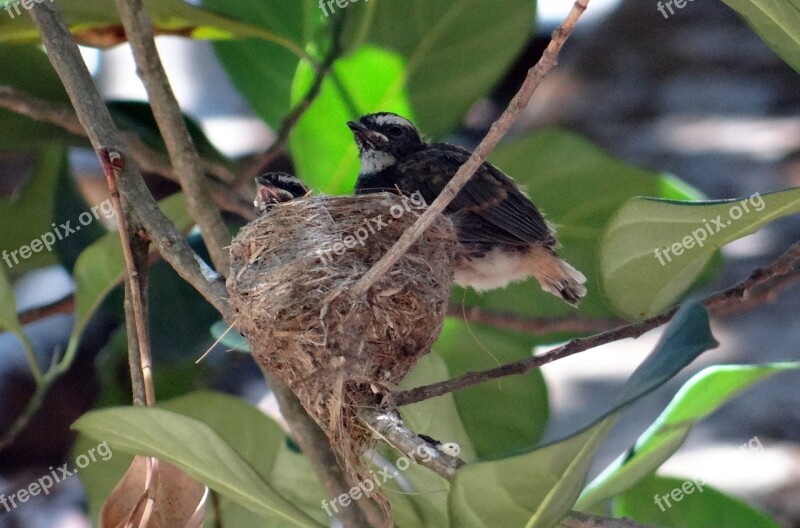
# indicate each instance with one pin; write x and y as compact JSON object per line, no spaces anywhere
{"x":95,"y":22}
{"x":652,"y":251}
{"x":703,"y":394}
{"x":322,"y":146}
{"x":261,"y":70}
{"x":195,"y":448}
{"x":699,"y":506}
{"x":777,"y":22}
{"x":578,"y":187}
{"x":446,"y":43}
{"x":537,"y":488}
{"x":30,"y":212}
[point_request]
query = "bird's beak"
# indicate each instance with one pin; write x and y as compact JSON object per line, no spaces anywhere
{"x":366,"y":138}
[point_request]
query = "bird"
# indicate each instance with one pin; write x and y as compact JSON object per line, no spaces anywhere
{"x":502,"y":236}
{"x":277,"y":187}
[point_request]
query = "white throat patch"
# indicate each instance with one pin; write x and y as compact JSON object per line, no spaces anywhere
{"x":374,"y":161}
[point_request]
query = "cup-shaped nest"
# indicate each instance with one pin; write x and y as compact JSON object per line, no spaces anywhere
{"x":292,"y":271}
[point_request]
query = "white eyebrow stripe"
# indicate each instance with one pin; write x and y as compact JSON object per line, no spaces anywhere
{"x":392,"y":119}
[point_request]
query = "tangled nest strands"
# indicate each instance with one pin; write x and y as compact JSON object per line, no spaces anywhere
{"x":291,"y":273}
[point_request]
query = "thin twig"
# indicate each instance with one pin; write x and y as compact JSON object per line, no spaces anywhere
{"x":535,"y":76}
{"x":168,"y":116}
{"x":534,"y":325}
{"x":113,"y":162}
{"x":278,"y":147}
{"x":63,"y":53}
{"x":721,"y":301}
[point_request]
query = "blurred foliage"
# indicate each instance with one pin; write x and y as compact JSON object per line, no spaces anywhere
{"x":430,"y":61}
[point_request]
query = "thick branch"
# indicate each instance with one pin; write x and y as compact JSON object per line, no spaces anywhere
{"x":722,"y":301}
{"x":168,"y":115}
{"x":96,"y":121}
{"x":499,"y":128}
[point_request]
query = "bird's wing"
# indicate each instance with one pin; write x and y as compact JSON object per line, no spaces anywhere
{"x":490,"y":208}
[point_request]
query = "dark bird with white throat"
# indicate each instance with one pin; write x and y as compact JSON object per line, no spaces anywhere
{"x":503,"y":236}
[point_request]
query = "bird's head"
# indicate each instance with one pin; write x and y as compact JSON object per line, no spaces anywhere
{"x":277,"y":187}
{"x":383,"y":138}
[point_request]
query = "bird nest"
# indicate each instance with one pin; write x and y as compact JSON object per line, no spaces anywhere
{"x":292,"y":272}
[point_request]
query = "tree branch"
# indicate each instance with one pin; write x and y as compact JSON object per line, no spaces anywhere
{"x":725,"y":300}
{"x":168,"y":115}
{"x":136,"y":251}
{"x":291,"y":119}
{"x":62,"y":51}
{"x":389,"y":427}
{"x":535,"y":76}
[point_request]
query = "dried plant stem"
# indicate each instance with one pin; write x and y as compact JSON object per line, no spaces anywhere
{"x":499,"y":128}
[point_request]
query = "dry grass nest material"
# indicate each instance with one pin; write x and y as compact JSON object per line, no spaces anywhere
{"x":292,"y":271}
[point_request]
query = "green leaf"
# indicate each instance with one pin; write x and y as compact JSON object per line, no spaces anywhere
{"x":261,"y":70}
{"x":31,"y":211}
{"x":251,"y":433}
{"x":578,"y":187}
{"x":229,"y":337}
{"x":501,"y":416}
{"x":196,"y":449}
{"x":467,"y":44}
{"x":537,"y":488}
{"x":95,"y":22}
{"x":700,"y":506}
{"x":704,"y":393}
{"x":653,"y":250}
{"x":322,"y":146}
{"x":777,"y":22}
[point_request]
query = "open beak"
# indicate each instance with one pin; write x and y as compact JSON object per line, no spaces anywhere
{"x":366,"y":138}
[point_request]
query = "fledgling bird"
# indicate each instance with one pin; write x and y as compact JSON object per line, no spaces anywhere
{"x":277,"y":187}
{"x":503,"y":235}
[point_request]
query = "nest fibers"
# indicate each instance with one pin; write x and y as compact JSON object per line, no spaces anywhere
{"x":291,"y":273}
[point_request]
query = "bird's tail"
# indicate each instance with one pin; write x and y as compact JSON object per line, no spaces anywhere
{"x":556,"y":276}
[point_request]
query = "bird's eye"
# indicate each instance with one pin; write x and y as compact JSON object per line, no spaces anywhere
{"x":395,"y":131}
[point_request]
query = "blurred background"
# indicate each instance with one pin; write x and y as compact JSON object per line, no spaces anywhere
{"x":697,"y":95}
